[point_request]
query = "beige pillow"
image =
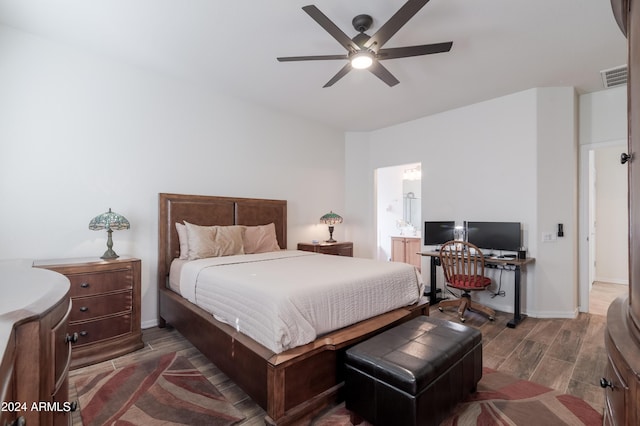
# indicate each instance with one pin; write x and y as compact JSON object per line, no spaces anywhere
{"x":200,"y":241}
{"x":230,"y":240}
{"x":213,"y":241}
{"x":260,"y":239}
{"x":182,"y":238}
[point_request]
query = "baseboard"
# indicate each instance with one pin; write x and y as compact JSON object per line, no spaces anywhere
{"x":554,"y":314}
{"x":620,"y":281}
{"x":149,"y":324}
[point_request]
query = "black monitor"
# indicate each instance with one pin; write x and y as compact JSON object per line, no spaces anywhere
{"x":495,"y":235}
{"x":438,"y":233}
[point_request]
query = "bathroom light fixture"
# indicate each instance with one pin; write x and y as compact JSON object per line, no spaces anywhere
{"x":412,"y":174}
{"x":110,"y":221}
{"x":331,"y":219}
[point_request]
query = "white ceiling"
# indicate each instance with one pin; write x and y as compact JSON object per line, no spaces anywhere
{"x":499,"y":47}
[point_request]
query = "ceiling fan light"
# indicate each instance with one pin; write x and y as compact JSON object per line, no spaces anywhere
{"x":361,"y":60}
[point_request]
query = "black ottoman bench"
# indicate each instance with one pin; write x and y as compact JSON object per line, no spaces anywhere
{"x":412,"y":374}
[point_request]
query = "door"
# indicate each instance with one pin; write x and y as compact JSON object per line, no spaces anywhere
{"x":633,"y":88}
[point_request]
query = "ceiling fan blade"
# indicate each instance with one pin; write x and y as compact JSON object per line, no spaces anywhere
{"x":343,"y":71}
{"x":383,"y":74}
{"x":394,"y":23}
{"x":311,"y":58}
{"x":405,"y":52}
{"x":331,"y":28}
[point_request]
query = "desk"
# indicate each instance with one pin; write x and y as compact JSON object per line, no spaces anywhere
{"x":516,"y":263}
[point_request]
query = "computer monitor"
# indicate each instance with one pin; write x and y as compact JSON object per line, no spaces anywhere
{"x":495,"y":235}
{"x":438,"y":233}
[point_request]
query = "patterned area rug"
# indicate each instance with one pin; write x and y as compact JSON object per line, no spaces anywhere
{"x":503,"y":400}
{"x":167,"y":390}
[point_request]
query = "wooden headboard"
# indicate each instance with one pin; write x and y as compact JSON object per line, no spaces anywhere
{"x":210,"y":210}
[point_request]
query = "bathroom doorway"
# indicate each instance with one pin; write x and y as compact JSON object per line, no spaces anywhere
{"x":398,"y":205}
{"x":604,"y":217}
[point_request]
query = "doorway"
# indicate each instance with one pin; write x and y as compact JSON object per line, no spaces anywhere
{"x":398,"y":205}
{"x":604,"y":226}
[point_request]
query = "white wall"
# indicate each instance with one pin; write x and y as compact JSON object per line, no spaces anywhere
{"x":603,"y":116}
{"x":360,"y":203}
{"x":390,"y":209}
{"x":481,"y":163}
{"x":81,"y":134}
{"x":555,"y":293}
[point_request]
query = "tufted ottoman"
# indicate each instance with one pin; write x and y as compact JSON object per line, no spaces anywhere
{"x":413,"y":374}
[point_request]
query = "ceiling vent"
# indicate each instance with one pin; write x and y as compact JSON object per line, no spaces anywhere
{"x":614,"y":76}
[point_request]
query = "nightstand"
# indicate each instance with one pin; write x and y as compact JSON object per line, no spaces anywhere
{"x":105,"y":297}
{"x":338,"y":249}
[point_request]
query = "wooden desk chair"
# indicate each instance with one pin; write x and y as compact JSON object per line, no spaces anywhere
{"x":463,"y":266}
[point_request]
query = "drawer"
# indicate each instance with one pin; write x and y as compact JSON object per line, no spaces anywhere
{"x":61,"y":398}
{"x":337,"y":250}
{"x":345,"y":251}
{"x":105,"y":328}
{"x":616,"y":395}
{"x":86,"y":308}
{"x":88,"y":284}
{"x":61,"y":349}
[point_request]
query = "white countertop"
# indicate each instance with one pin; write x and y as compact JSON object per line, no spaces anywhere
{"x":22,"y":286}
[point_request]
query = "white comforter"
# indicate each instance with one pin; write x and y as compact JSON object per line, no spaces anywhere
{"x":288,"y":298}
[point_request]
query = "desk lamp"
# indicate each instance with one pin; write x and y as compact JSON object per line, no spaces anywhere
{"x":109,"y":221}
{"x":331,"y":219}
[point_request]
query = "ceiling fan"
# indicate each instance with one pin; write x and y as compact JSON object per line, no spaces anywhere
{"x":366,"y":52}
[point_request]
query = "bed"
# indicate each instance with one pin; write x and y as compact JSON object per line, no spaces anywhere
{"x":292,"y":384}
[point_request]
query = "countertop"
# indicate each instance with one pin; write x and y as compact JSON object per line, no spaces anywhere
{"x":26,"y":293}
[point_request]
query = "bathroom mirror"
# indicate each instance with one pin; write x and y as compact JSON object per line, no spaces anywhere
{"x":411,"y":202}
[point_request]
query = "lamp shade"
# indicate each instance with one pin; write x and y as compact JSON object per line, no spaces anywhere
{"x":110,"y":221}
{"x":331,"y":218}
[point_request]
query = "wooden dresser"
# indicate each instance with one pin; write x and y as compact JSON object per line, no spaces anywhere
{"x":106,"y":306}
{"x":35,"y":347}
{"x":407,"y":249}
{"x":621,"y":380}
{"x":337,"y":249}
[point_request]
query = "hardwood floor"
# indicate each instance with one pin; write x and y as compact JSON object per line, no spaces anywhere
{"x":564,"y":354}
{"x":602,"y":294}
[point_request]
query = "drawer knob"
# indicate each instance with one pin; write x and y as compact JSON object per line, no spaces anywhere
{"x":71,"y":338}
{"x":84,"y":309}
{"x":604,"y":383}
{"x":84,"y":285}
{"x":84,"y":333}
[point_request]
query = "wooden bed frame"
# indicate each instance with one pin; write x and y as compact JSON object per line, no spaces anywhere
{"x":291,"y":386}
